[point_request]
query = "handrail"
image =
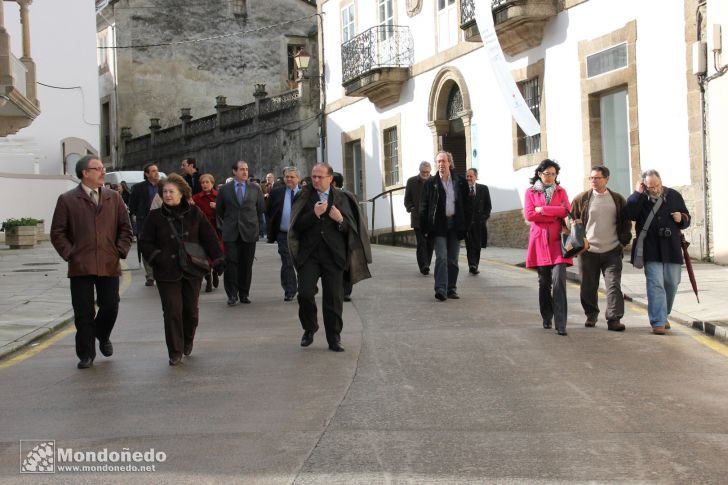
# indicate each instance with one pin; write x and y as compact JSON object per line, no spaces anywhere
{"x":391,"y":209}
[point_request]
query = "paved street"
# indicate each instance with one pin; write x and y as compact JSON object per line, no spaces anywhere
{"x":466,"y":391}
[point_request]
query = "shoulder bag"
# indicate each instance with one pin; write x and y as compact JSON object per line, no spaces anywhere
{"x":193,"y":259}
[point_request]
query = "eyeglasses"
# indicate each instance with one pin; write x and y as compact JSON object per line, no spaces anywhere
{"x":596,"y":178}
{"x":100,"y":169}
{"x":548,"y":174}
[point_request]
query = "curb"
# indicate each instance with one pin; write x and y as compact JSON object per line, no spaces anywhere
{"x":39,"y":333}
{"x":715,"y":330}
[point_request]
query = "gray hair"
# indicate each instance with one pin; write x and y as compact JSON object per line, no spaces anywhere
{"x":651,"y":173}
{"x":82,"y":164}
{"x":449,"y":158}
{"x":424,"y":165}
{"x":291,"y":169}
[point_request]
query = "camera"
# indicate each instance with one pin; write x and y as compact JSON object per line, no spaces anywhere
{"x":664,"y":232}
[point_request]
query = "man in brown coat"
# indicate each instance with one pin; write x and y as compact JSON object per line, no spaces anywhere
{"x":91,"y":231}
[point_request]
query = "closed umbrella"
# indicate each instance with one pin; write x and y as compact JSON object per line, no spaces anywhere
{"x":689,"y":265}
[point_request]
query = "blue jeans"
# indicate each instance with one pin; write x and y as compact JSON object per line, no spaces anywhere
{"x":447,"y":250}
{"x":662,"y":281}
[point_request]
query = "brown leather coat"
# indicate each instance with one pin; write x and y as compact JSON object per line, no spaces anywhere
{"x":91,"y":238}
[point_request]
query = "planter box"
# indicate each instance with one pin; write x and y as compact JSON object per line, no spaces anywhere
{"x":21,"y":237}
{"x":40,"y":234}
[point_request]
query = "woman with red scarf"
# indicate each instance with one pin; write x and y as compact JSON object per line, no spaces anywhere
{"x":205,"y":200}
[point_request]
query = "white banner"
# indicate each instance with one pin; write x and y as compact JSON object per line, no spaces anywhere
{"x":492,"y":49}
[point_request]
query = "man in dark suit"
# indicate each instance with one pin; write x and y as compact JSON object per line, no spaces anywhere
{"x":327,"y":236}
{"x":477,"y":212}
{"x":412,"y":193}
{"x":140,"y":202}
{"x":239,"y":205}
{"x":91,"y":230}
{"x":191,"y":174}
{"x":278,"y":214}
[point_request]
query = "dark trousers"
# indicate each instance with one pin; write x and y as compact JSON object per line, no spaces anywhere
{"x":425,"y":246}
{"x":181,"y":312}
{"x":288,"y":273}
{"x":320,"y":265}
{"x":552,"y":294}
{"x":239,"y":256}
{"x":609,"y":264}
{"x":473,"y":243}
{"x":91,"y":324}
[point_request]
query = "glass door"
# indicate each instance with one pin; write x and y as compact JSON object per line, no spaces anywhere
{"x":614,"y":117}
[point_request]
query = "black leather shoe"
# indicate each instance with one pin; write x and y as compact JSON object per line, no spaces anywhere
{"x":85,"y":363}
{"x":208,"y":287}
{"x":149,"y":282}
{"x":347,"y":297}
{"x":106,"y":348}
{"x":245,"y":300}
{"x":425,"y":271}
{"x":288,"y":298}
{"x":188,"y":349}
{"x":215,"y":279}
{"x":232,"y":301}
{"x":175,"y":360}
{"x":546,"y":324}
{"x":473,"y":270}
{"x":307,"y":338}
{"x":440,"y":296}
{"x":561,"y":332}
{"x":453,"y":295}
{"x":336,"y":347}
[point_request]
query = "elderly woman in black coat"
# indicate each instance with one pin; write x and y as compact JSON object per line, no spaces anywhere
{"x":178,"y":282}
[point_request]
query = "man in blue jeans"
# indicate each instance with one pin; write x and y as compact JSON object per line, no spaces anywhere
{"x":442,"y":219}
{"x":660,"y":214}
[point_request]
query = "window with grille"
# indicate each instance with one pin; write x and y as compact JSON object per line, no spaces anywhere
{"x":391,"y":160}
{"x":238,"y":8}
{"x":348,"y":27}
{"x":531,"y":94}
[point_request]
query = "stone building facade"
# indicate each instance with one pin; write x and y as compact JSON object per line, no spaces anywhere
{"x":156,"y":59}
{"x":609,"y":81}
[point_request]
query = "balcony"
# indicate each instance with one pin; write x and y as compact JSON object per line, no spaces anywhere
{"x":377,"y":62}
{"x":519,"y":23}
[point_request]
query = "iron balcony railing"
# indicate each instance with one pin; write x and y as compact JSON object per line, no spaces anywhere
{"x":467,"y":9}
{"x":383,"y":46}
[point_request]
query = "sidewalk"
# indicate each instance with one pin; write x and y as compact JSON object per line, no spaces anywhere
{"x":35,"y":298}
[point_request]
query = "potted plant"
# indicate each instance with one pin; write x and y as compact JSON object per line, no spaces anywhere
{"x":20,"y":233}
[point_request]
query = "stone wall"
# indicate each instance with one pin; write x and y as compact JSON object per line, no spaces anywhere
{"x":508,"y":229}
{"x":269,"y":134}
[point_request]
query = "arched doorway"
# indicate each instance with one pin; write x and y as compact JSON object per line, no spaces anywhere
{"x":449,"y":117}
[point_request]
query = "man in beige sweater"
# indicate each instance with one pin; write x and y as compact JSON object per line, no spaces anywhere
{"x":607,"y":232}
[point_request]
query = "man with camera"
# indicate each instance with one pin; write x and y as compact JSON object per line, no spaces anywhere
{"x":600,"y":209}
{"x":660,"y":214}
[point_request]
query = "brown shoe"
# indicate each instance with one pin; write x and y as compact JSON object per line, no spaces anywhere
{"x":590,"y":322}
{"x":667,"y":325}
{"x":615,"y":326}
{"x":658,"y":330}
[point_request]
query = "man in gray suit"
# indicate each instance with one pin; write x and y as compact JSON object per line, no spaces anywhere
{"x":239,"y":206}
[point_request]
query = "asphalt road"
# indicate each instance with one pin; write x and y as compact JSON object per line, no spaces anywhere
{"x":466,"y":391}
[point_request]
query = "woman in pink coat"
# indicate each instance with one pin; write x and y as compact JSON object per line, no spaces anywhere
{"x":546,"y":206}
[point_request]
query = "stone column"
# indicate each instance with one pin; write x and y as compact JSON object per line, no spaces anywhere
{"x":5,"y":64}
{"x":438,"y":128}
{"x":185,"y":118}
{"x":466,"y":116}
{"x":27,"y":60}
{"x":154,"y":127}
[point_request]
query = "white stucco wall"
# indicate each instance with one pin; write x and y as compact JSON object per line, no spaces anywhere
{"x":662,"y":92}
{"x":717,"y":101}
{"x":63,"y":46}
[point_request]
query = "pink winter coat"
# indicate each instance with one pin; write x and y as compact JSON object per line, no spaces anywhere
{"x":544,"y":240}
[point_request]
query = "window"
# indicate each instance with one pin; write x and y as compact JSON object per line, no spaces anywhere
{"x":391,"y":160}
{"x":105,"y":130}
{"x":608,"y":60}
{"x":531,"y":94}
{"x":348,"y":26}
{"x":447,"y":24}
{"x":102,"y":41}
{"x":386,"y":19}
{"x":354,"y":169}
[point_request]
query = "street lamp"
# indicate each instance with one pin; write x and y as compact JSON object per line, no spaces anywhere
{"x":301,"y":60}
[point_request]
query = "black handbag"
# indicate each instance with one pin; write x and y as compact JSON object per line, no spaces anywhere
{"x":192,"y":258}
{"x":575,"y":242}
